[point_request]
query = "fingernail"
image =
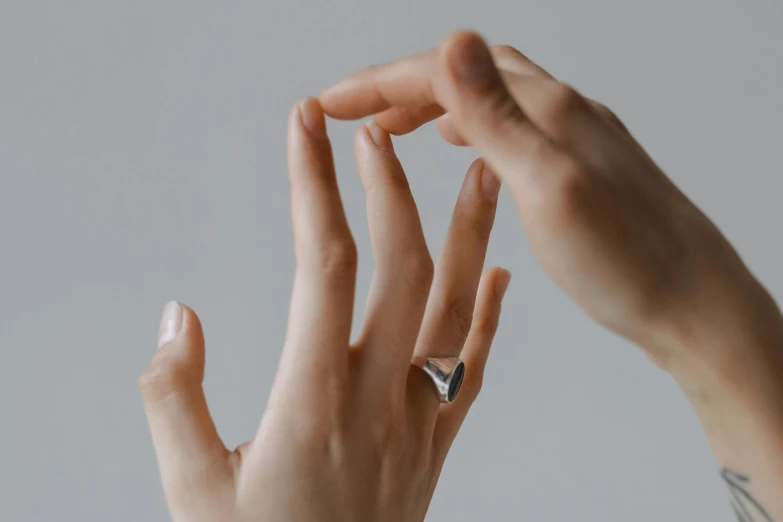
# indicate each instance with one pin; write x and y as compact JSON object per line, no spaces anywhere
{"x":470,"y":60}
{"x":380,"y":137}
{"x":490,"y":184}
{"x":170,"y":323}
{"x":504,"y":278}
{"x":313,"y":117}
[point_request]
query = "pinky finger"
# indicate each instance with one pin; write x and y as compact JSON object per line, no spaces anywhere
{"x":486,"y":316}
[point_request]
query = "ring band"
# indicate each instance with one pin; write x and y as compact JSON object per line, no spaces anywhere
{"x":446,"y":373}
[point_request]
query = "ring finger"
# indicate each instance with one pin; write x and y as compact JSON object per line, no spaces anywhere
{"x":449,"y":312}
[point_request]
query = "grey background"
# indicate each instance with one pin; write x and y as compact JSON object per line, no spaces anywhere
{"x":142,"y":159}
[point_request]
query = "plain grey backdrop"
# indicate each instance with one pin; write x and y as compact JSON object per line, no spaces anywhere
{"x":142,"y":159}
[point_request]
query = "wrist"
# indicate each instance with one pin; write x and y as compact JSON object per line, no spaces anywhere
{"x":737,"y":351}
{"x":732,"y":373}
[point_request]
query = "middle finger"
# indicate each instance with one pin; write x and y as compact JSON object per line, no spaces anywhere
{"x":403,"y":266}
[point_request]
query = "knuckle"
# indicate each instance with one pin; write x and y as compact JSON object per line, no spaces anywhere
{"x":418,"y":271}
{"x":561,"y":102}
{"x":569,"y":193}
{"x":338,"y":259}
{"x":545,"y":152}
{"x":165,"y":376}
{"x":320,"y":424}
{"x":559,"y":196}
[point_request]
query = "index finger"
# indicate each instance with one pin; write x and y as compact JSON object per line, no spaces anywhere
{"x":402,"y":83}
{"x":462,"y":78}
{"x":405,"y":86}
{"x":321,"y":307}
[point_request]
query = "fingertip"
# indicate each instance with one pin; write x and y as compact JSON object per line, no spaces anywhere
{"x":308,"y":146}
{"x":474,"y":185}
{"x":449,"y":133}
{"x":403,"y":120}
{"x":502,"y":281}
{"x":312,"y":117}
{"x":379,"y":137}
{"x":501,"y":51}
{"x":459,"y":37}
{"x":494,"y":284}
{"x":326,"y":96}
{"x":394,"y":120}
{"x":191,"y":325}
{"x":364,"y":142}
{"x":294,"y":114}
{"x":296,"y":125}
{"x":179,"y":358}
{"x":178,"y":321}
{"x":490,"y":184}
{"x":180,"y":333}
{"x":331,"y":97}
{"x":183,"y":433}
{"x":170,"y":323}
{"x":374,"y":150}
{"x":476,"y":167}
{"x":350,"y":99}
{"x":467,"y":57}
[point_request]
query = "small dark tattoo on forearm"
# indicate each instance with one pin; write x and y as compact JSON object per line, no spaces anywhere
{"x":745,"y":506}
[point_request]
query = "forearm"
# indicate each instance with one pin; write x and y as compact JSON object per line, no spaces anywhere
{"x":739,"y":399}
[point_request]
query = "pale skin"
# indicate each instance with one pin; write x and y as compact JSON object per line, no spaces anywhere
{"x":604,"y":221}
{"x":614,"y":232}
{"x":352,"y":431}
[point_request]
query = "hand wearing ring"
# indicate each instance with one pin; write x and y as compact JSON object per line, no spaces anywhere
{"x":446,"y":373}
{"x":352,"y":432}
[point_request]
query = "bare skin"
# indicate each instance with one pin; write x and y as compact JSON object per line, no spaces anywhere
{"x":614,"y":232}
{"x":352,"y":432}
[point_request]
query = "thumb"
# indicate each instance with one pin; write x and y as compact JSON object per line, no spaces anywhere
{"x":481,"y":108}
{"x":184,"y":435}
